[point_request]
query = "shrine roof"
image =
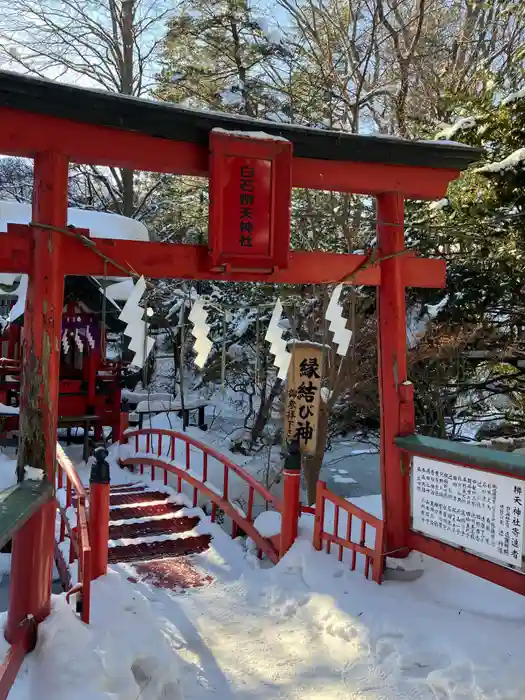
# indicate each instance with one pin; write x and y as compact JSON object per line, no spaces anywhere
{"x":169,"y":121}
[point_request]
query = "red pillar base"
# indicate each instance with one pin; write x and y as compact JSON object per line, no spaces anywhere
{"x":99,"y":528}
{"x":291,"y":510}
{"x":31,"y":571}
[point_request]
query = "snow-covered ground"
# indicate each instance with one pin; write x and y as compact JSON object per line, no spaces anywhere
{"x":307,"y":629}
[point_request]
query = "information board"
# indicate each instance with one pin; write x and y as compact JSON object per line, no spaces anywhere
{"x":476,"y":510}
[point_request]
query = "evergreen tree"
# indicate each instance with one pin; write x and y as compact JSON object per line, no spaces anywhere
{"x":480,"y":231}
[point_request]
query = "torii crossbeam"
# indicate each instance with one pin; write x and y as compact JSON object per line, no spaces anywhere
{"x":57,"y":125}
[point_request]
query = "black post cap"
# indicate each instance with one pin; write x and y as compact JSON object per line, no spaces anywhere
{"x":100,"y":469}
{"x":292,"y":461}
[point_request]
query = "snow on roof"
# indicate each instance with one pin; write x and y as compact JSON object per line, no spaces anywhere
{"x":101,"y":224}
{"x":261,"y":135}
{"x":511,"y":161}
{"x":461,"y":124}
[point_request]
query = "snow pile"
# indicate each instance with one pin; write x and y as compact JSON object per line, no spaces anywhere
{"x":121,"y":655}
{"x":515,"y":159}
{"x":125,"y":451}
{"x":461,"y":125}
{"x":32,"y":474}
{"x":268,"y":523}
{"x":311,"y":629}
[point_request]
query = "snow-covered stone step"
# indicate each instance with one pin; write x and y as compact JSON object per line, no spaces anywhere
{"x":159,"y":549}
{"x":143,"y":528}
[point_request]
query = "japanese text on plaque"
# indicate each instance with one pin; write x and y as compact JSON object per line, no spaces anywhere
{"x":303,"y":396}
{"x":246,"y":201}
{"x":477,"y":510}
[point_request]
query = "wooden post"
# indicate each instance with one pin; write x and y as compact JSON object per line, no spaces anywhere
{"x":33,"y":545}
{"x":99,"y":497}
{"x":392,"y":367}
{"x":123,"y":425}
{"x":291,"y":509}
{"x":93,"y":362}
{"x":99,"y":527}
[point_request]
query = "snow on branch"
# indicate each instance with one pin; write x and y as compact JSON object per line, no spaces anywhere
{"x":461,"y":125}
{"x":513,"y":97}
{"x":515,"y":159}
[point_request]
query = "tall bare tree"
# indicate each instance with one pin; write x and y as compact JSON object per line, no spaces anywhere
{"x":108,"y":44}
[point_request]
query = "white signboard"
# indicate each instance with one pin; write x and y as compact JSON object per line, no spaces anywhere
{"x":478,"y":511}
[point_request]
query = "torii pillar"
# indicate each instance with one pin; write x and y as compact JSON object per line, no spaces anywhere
{"x":33,"y":544}
{"x":395,"y":398}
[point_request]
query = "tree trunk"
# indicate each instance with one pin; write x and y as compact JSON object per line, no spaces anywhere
{"x":128,"y":202}
{"x":264,"y":410}
{"x":312,"y":464}
{"x":128,"y":18}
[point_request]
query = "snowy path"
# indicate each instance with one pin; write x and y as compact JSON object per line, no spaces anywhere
{"x":307,"y":629}
{"x":310,"y":629}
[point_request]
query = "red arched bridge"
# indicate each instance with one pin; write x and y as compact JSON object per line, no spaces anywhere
{"x":145,"y":522}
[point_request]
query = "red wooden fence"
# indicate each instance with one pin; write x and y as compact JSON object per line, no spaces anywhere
{"x":373,"y":554}
{"x":157,"y":448}
{"x":161,"y":453}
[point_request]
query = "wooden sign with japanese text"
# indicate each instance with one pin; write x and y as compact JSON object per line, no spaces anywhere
{"x":303,"y":395}
{"x":476,"y":510}
{"x":250,"y":200}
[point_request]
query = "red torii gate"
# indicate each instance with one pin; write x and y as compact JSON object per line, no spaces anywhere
{"x":57,"y":125}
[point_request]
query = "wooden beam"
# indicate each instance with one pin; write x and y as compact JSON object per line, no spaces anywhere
{"x":163,"y":260}
{"x":463,"y":454}
{"x":26,"y":134}
{"x":19,"y":503}
{"x":500,"y":575}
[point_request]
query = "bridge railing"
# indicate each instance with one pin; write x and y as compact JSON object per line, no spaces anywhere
{"x":348,"y":521}
{"x":171,"y":451}
{"x":75,"y":497}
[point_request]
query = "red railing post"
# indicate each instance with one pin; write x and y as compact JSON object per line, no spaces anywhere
{"x":407,"y":426}
{"x":99,"y":513}
{"x":291,"y":509}
{"x":121,"y":428}
{"x":123,"y":441}
{"x":87,"y":575}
